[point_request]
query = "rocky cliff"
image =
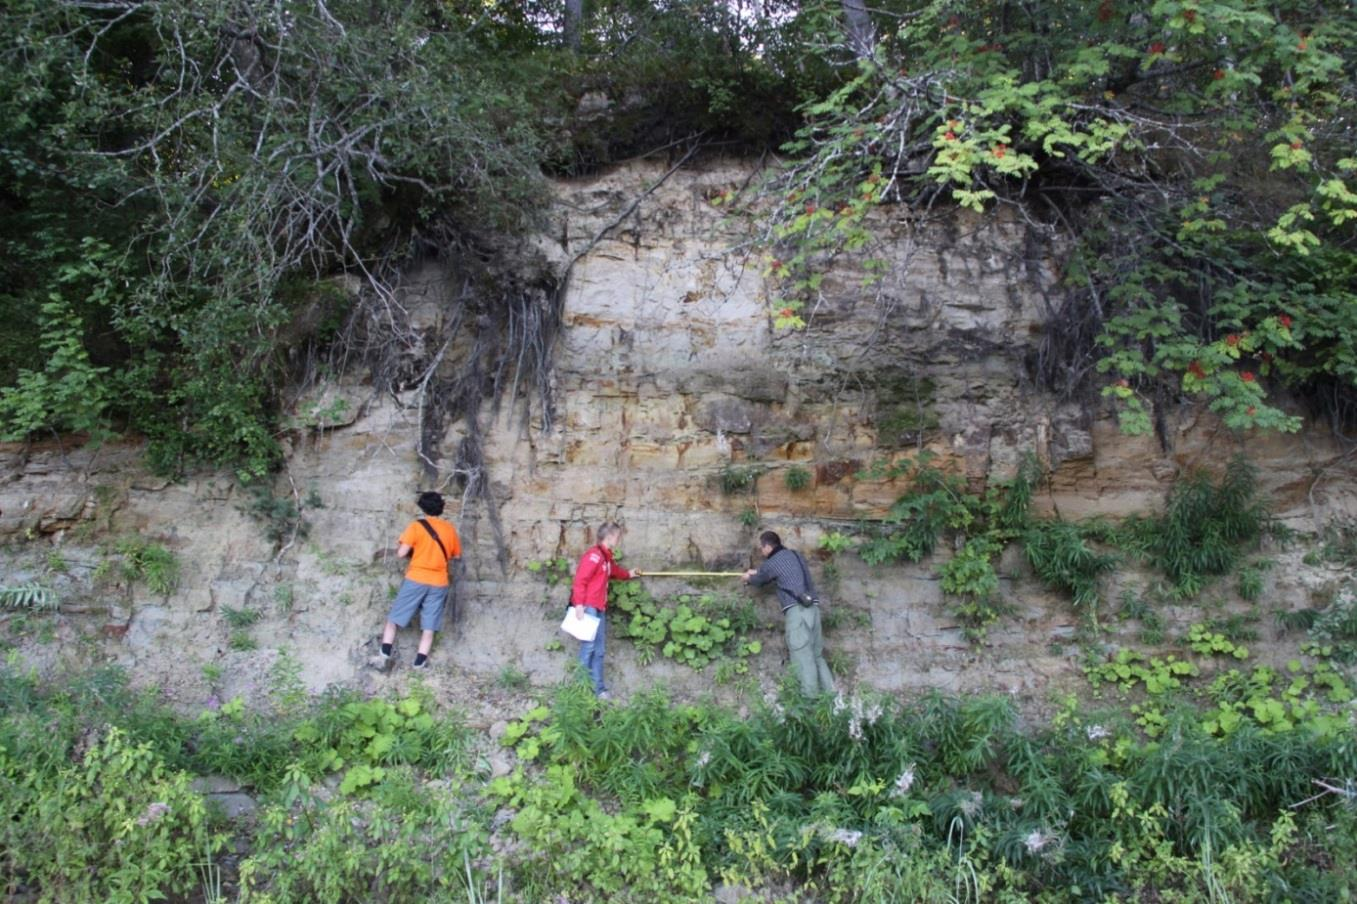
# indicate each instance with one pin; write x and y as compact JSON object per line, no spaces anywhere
{"x":672,"y":405}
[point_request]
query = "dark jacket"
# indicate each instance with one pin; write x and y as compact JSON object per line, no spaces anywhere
{"x":789,"y":571}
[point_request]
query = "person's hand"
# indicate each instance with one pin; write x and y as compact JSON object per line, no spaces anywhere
{"x":579,"y":612}
{"x":636,"y":572}
{"x":749,"y":574}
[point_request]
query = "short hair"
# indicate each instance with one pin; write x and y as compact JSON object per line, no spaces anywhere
{"x":769,"y":538}
{"x":608,"y":529}
{"x":430,"y":503}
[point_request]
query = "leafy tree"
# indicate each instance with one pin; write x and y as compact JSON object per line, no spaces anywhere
{"x":223,"y":157}
{"x":1197,"y":156}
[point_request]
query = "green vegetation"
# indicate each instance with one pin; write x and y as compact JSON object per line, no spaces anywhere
{"x":796,"y":478}
{"x":694,"y":630}
{"x":32,"y":596}
{"x":855,"y":798}
{"x":1335,"y":627}
{"x":1195,"y":155}
{"x":735,"y":479}
{"x":1205,"y":529}
{"x":139,"y":559}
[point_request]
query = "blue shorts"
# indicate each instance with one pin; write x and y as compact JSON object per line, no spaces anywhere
{"x":423,"y":598}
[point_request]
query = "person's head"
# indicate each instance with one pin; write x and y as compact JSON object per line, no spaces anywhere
{"x":769,"y":542}
{"x":430,"y":503}
{"x":609,"y":532}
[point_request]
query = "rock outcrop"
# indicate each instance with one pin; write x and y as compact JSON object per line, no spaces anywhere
{"x":679,"y":410}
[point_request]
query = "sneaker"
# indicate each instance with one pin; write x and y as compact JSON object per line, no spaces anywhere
{"x":604,"y":695}
{"x":381,"y":662}
{"x":422,"y":666}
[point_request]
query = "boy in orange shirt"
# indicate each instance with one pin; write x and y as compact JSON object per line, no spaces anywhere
{"x":431,"y":543}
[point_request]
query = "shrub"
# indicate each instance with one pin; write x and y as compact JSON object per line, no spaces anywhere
{"x":1063,"y":560}
{"x":1205,"y":528}
{"x":409,"y":840}
{"x":115,"y":825}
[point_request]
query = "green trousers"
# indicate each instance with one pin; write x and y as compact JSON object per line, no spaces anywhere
{"x":806,"y":647}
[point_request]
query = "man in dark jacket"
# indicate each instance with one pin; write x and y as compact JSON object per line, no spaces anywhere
{"x":795,"y":595}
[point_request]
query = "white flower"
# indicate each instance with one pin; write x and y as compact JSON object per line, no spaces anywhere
{"x":839,"y":703}
{"x":1036,"y":841}
{"x":846,"y":837}
{"x":873,"y":713}
{"x":903,"y":782}
{"x":704,"y":759}
{"x":1097,"y":732}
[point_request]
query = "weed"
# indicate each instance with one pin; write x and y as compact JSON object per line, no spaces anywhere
{"x":242,"y":641}
{"x":749,"y":517}
{"x":1238,"y":628}
{"x":511,"y":678}
{"x":283,"y":598}
{"x":840,"y":663}
{"x":796,"y":478}
{"x":281,"y":516}
{"x":1137,"y":608}
{"x":835,"y":542}
{"x":1251,"y":579}
{"x":1204,"y":530}
{"x":148,"y":562}
{"x":244,"y":617}
{"x":1061,"y":557}
{"x":32,"y":596}
{"x":836,"y":617}
{"x":1296,"y":620}
{"x":56,"y":562}
{"x":556,"y":570}
{"x":1336,"y":626}
{"x":1339,"y":542}
{"x":735,"y":479}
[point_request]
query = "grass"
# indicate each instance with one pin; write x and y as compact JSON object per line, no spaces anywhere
{"x":863,"y":797}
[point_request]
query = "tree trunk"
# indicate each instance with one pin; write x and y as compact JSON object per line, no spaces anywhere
{"x":574,"y":20}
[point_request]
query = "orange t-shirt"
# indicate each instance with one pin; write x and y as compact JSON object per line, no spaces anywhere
{"x":427,"y":565}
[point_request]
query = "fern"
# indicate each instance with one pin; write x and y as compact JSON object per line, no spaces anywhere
{"x":28,"y":596}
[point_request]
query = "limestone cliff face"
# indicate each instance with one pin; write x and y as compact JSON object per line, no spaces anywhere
{"x":668,"y":376}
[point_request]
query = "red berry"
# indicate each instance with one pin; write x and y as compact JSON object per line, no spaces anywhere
{"x":1000,"y":150}
{"x":1247,"y":376}
{"x":1195,"y":368}
{"x":1285,"y":320}
{"x":1232,"y":340}
{"x":1251,"y":411}
{"x":1218,"y":74}
{"x":1157,"y":48}
{"x":950,"y":136}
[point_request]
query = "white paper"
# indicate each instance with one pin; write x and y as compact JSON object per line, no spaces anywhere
{"x":581,"y":627}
